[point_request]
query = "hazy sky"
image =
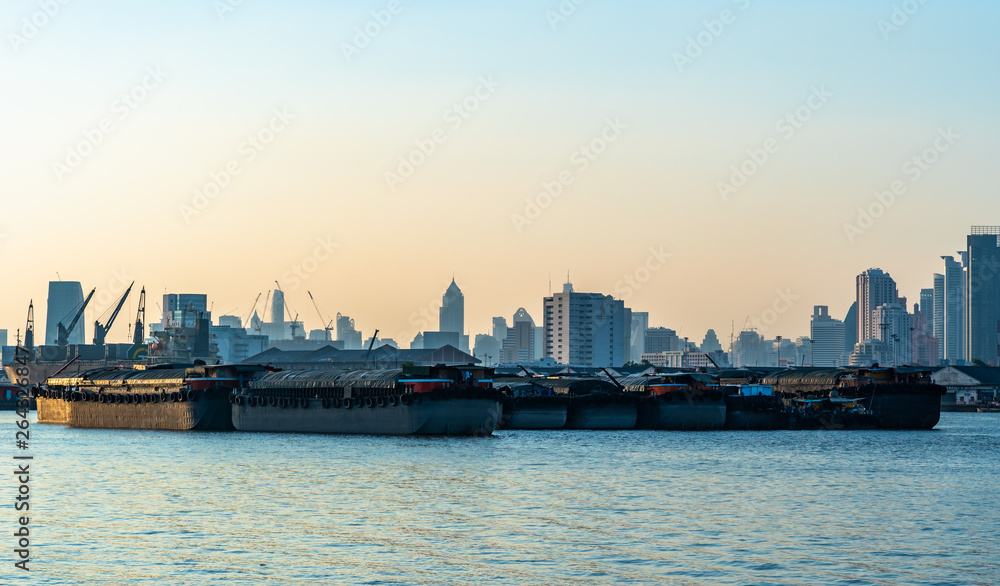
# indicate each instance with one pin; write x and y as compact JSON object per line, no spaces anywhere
{"x":294,"y":121}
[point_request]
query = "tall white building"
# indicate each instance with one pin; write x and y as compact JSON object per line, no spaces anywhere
{"x":587,"y":329}
{"x":874,"y":288}
{"x":827,"y":335}
{"x":892,"y":324}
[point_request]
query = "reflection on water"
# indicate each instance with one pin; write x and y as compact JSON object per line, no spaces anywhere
{"x":863,"y":507}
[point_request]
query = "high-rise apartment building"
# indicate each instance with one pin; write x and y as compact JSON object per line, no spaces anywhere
{"x":586,"y":329}
{"x":874,"y":289}
{"x":982,"y":295}
{"x":827,"y":335}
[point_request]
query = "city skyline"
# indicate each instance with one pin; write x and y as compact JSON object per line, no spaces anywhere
{"x":770,"y":322}
{"x":606,"y":159}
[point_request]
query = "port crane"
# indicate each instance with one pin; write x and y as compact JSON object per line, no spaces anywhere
{"x":101,"y":330}
{"x":63,"y":332}
{"x":140,"y":319}
{"x":328,"y":327}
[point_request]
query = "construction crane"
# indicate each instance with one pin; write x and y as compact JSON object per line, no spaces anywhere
{"x":372,"y":343}
{"x":328,"y":327}
{"x":288,"y":309}
{"x":250,"y":314}
{"x":140,"y":319}
{"x":101,"y":330}
{"x":263,"y":316}
{"x":63,"y":332}
{"x":29,"y":328}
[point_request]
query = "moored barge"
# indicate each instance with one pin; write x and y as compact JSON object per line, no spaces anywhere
{"x":438,"y":400}
{"x":166,"y":396}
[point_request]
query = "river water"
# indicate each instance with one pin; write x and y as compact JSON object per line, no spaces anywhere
{"x":858,"y":507}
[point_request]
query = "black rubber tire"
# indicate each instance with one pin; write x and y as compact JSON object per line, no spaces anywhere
{"x":304,"y":403}
{"x":381,"y":402}
{"x":325,"y":403}
{"x":348,"y":403}
{"x":404,"y":399}
{"x":337,"y":403}
{"x":272,"y":401}
{"x":238,"y":400}
{"x":393,"y":400}
{"x":282,"y":402}
{"x":369,"y":402}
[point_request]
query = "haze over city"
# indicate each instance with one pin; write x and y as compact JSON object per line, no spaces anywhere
{"x":297,"y":120}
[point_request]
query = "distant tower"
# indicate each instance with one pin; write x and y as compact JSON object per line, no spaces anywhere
{"x":827,"y":336}
{"x":65,"y":298}
{"x":953,"y":324}
{"x":875,"y":288}
{"x":278,"y":307}
{"x":452,"y":316}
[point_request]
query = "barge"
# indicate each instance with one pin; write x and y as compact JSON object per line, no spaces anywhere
{"x":166,"y":397}
{"x":438,"y":400}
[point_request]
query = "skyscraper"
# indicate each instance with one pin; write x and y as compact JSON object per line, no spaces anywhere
{"x":519,"y":345}
{"x":586,"y":329}
{"x":710,"y":343}
{"x":927,"y":308}
{"x":827,"y":336}
{"x":937,"y":325}
{"x":874,"y":289}
{"x":452,"y":316}
{"x":851,"y":328}
{"x":65,"y":298}
{"x":891,"y":322}
{"x":953,"y":320}
{"x":982,"y":293}
{"x":640,"y":323}
{"x":182,"y":309}
{"x":278,"y":307}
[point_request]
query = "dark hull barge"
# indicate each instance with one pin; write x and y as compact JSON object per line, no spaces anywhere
{"x":415,"y":401}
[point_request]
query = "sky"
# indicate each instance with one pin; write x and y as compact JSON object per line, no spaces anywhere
{"x":712,"y":163}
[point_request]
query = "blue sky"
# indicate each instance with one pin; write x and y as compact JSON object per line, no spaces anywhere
{"x":324,"y":175}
